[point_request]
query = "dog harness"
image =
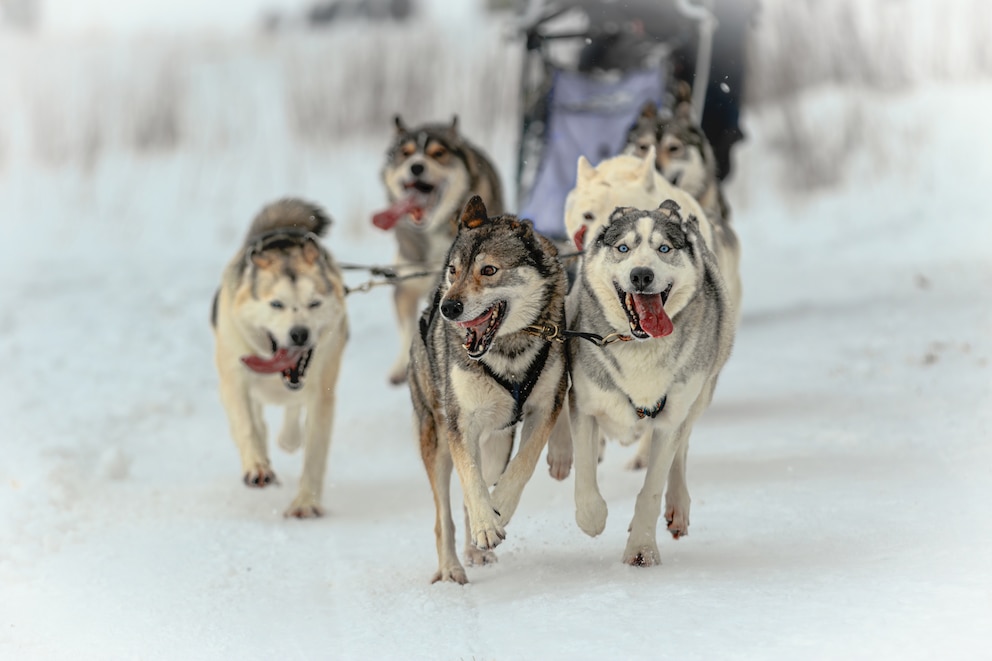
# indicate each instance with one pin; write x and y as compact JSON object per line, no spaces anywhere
{"x":521,"y":390}
{"x":645,"y":412}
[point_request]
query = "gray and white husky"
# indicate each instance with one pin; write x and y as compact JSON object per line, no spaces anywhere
{"x":650,"y":276}
{"x":684,"y":157}
{"x":430,"y":173}
{"x":485,"y":361}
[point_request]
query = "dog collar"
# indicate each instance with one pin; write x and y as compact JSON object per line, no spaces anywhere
{"x":645,"y":412}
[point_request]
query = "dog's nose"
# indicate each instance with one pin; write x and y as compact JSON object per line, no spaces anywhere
{"x":641,"y":278}
{"x":452,"y":309}
{"x":299,"y":335}
{"x":417,"y":169}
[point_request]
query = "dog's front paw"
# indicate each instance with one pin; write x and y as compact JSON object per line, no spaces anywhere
{"x":304,"y":507}
{"x":398,"y":373}
{"x":559,"y":461}
{"x":678,"y":521}
{"x":642,"y":555}
{"x":455,"y":574}
{"x":477,"y":558}
{"x":590,"y":514}
{"x":487,"y":532}
{"x":260,"y":476}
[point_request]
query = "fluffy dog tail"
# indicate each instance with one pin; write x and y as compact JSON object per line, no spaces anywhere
{"x":289,"y":213}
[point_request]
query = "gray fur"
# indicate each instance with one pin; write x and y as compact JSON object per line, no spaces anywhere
{"x":681,"y":369}
{"x":447,"y":386}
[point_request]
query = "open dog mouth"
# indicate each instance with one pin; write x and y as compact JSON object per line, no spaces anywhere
{"x":481,"y":331}
{"x":646,"y":312}
{"x":420,"y":187}
{"x":420,"y":198}
{"x":291,"y":363}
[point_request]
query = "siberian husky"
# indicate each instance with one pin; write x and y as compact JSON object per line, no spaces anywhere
{"x":683,"y":156}
{"x":651,"y":276}
{"x":632,"y":181}
{"x":487,"y":358}
{"x":280,"y":326}
{"x":430,"y":173}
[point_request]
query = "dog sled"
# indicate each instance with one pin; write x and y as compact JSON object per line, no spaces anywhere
{"x":588,"y":70}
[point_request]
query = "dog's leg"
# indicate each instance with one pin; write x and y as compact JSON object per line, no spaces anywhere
{"x":590,"y":508}
{"x":319,"y":421}
{"x":291,"y":436}
{"x":538,"y":425}
{"x":437,"y":461}
{"x":496,"y":452}
{"x":677,"y":495}
{"x":486,"y":530}
{"x":317,"y":441}
{"x":560,"y":446}
{"x":640,"y":460}
{"x":405,"y":299}
{"x":248,"y":431}
{"x":642,"y":545}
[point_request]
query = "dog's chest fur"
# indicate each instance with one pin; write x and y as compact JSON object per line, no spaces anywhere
{"x":518,"y":370}
{"x":619,"y":378}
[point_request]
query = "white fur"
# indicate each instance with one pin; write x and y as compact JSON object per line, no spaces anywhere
{"x":243,"y":325}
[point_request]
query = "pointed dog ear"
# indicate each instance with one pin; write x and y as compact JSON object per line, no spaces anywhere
{"x":672,"y":208}
{"x":311,"y":253}
{"x":453,"y":128}
{"x":584,"y":170}
{"x":647,"y":170}
{"x":649,"y":110}
{"x":474,"y":213}
{"x":400,"y":126}
{"x":260,"y":259}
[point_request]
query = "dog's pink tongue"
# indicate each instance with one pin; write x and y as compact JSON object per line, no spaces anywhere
{"x":580,"y":236}
{"x":385,"y":220}
{"x":281,"y":360}
{"x":654,"y":319}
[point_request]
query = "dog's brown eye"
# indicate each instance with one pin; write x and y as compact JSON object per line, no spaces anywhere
{"x":588,"y":216}
{"x":451,"y":269}
{"x":277,"y":305}
{"x":674,"y":149}
{"x":488,"y":270}
{"x":314,"y":304}
{"x":408,"y":149}
{"x":437,"y":152}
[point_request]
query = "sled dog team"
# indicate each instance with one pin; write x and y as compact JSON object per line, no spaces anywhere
{"x":500,"y":347}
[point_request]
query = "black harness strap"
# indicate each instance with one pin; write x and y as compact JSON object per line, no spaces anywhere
{"x":521,"y":391}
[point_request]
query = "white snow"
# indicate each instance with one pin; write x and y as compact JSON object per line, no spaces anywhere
{"x":841,"y":480}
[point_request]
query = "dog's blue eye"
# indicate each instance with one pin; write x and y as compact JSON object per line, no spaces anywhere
{"x":488,"y":270}
{"x":622,"y":248}
{"x":664,"y":248}
{"x":314,"y":304}
{"x":277,"y":305}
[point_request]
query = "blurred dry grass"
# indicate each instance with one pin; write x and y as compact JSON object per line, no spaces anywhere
{"x":75,"y":102}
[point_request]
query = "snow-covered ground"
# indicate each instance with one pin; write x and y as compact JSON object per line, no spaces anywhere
{"x":840,"y":480}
